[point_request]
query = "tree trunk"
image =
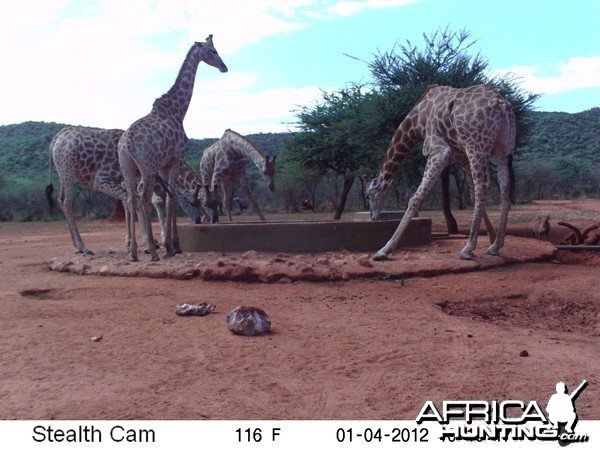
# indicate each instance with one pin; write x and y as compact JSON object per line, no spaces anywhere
{"x":451,"y":224}
{"x":363,"y":193}
{"x":398,"y":196}
{"x":460,"y":189}
{"x":348,"y":182}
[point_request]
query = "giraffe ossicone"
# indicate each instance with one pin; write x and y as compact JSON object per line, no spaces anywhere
{"x":471,"y":124}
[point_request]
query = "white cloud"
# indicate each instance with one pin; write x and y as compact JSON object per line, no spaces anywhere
{"x":575,"y":73}
{"x":271,"y":110}
{"x":350,"y":7}
{"x":103,"y":62}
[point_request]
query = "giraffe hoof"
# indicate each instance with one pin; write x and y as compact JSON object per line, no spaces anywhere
{"x":493,"y":251}
{"x":379,"y":256}
{"x":154,"y":258}
{"x":467,"y":256}
{"x":133,"y":258}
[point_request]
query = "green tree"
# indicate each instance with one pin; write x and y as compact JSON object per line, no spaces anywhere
{"x":335,"y":137}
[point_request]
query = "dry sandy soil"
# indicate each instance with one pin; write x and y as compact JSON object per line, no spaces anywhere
{"x":350,"y":349}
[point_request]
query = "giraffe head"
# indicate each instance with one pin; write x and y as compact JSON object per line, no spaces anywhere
{"x":267,"y":171}
{"x":375,"y":193}
{"x":189,"y":204}
{"x":209,"y":54}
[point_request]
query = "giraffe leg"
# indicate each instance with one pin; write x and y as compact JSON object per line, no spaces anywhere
{"x":504,"y":180}
{"x":488,"y":224}
{"x":246,"y":188}
{"x":451,"y":224}
{"x":65,"y":200}
{"x":226,"y":188}
{"x":129,"y":170}
{"x":127,"y":219}
{"x":436,"y":162}
{"x":481,"y":181}
{"x":159,"y":206}
{"x":174,"y":232}
{"x":171,"y":238}
{"x":172,"y":209}
{"x":132,"y":208}
{"x":128,"y":225}
{"x":170,"y":250}
{"x":104,"y":182}
{"x":146,"y":187}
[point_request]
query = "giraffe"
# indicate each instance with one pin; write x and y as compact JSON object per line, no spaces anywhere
{"x":157,"y":143}
{"x":89,"y":155}
{"x":226,"y":160}
{"x":475,"y":122}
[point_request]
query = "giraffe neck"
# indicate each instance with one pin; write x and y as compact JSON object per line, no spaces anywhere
{"x":407,"y":135}
{"x":247,"y":149}
{"x":176,"y":101}
{"x":188,"y":178}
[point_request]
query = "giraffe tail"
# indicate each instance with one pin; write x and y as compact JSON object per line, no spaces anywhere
{"x":51,"y":203}
{"x":50,"y":187}
{"x":511,"y":177}
{"x":160,"y":180}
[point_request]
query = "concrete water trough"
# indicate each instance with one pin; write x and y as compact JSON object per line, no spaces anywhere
{"x":300,"y":236}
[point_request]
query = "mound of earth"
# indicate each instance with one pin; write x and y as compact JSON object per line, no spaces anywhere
{"x":439,"y":257}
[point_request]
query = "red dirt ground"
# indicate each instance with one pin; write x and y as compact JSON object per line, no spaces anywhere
{"x":356,"y":349}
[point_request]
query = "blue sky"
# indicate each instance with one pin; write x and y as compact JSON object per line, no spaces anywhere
{"x":102,"y":63}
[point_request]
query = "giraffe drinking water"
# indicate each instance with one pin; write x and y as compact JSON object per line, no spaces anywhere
{"x":475,"y":122}
{"x":226,"y":160}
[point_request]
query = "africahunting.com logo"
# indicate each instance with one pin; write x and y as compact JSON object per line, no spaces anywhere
{"x":509,"y":420}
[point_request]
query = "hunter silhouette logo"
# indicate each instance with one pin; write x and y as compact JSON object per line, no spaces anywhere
{"x":562,"y":413}
{"x":514,"y":420}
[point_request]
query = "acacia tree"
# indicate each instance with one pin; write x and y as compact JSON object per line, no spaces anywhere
{"x":335,"y":137}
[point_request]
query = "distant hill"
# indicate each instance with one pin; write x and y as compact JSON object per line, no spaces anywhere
{"x":24,"y":146}
{"x":557,"y":134}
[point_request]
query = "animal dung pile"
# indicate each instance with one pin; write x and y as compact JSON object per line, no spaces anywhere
{"x":248,"y":321}
{"x":194,"y":309}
